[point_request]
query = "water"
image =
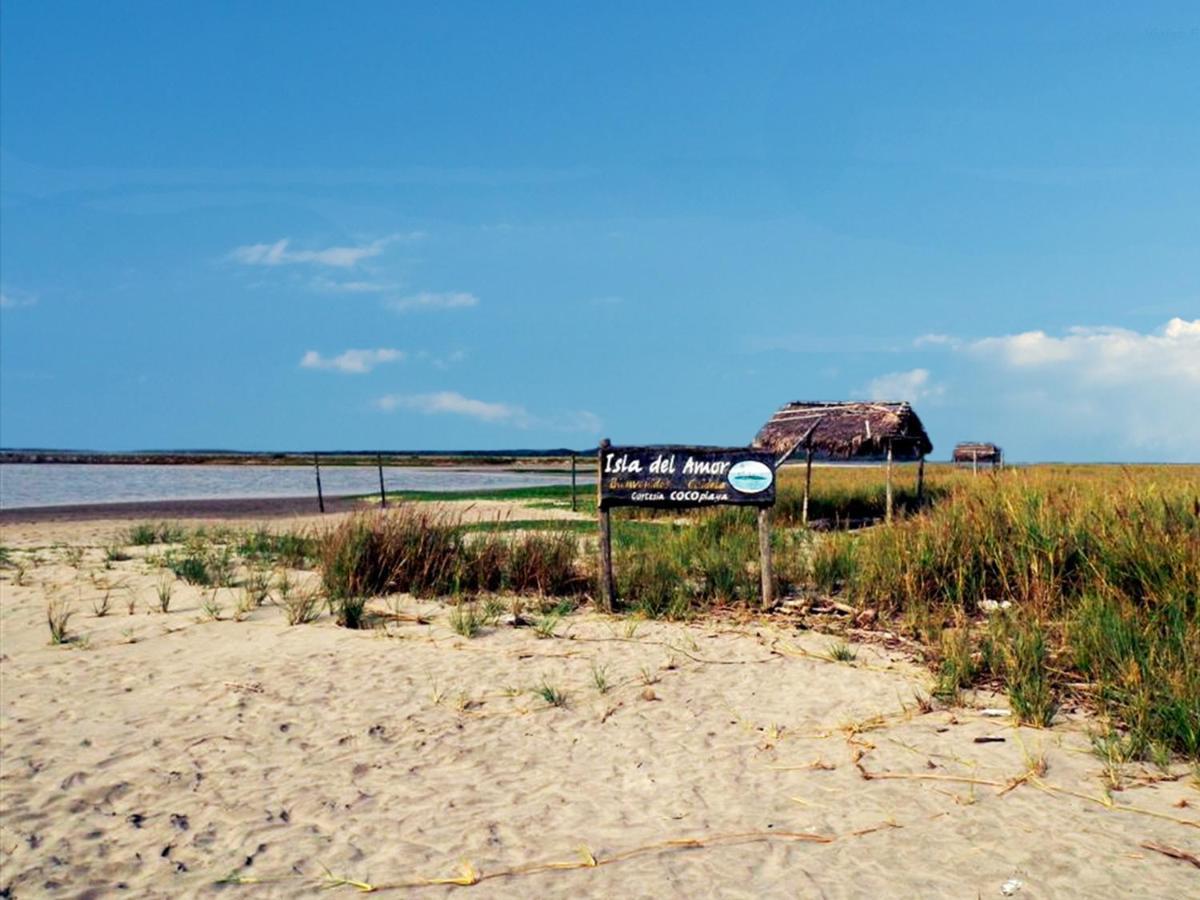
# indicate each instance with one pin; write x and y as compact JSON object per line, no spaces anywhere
{"x":51,"y":484}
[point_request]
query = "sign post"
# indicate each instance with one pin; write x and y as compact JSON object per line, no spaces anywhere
{"x":608,"y":590}
{"x":671,"y":476}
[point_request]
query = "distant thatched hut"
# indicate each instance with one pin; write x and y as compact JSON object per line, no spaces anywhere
{"x":846,"y":431}
{"x":979,"y":452}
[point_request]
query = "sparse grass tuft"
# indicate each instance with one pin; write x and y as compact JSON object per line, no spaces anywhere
{"x":212,"y":607}
{"x":465,"y":619}
{"x":300,"y":606}
{"x":58,"y":616}
{"x":546,"y":625}
{"x":600,"y":678}
{"x":551,"y":694}
{"x":163,"y":591}
{"x":842,"y":652}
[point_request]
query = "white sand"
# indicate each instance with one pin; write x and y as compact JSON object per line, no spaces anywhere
{"x":392,"y":755}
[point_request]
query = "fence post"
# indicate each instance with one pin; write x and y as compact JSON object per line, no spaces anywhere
{"x":320,"y":496}
{"x":888,"y":516}
{"x":573,"y":502}
{"x":807,"y":480}
{"x":920,"y":480}
{"x":382,"y":494}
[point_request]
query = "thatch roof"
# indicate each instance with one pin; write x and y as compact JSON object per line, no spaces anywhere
{"x":977,"y":451}
{"x":846,"y":430}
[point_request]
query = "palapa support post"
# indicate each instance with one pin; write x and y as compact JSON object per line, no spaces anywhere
{"x":574,"y":505}
{"x":807,"y":480}
{"x":764,"y":551}
{"x":320,"y":496}
{"x":920,"y":479}
{"x":382,"y":494}
{"x":607,"y":587}
{"x":889,"y":482}
{"x":974,"y":462}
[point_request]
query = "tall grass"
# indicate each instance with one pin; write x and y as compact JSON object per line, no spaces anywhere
{"x":425,"y":553}
{"x":1102,"y":571}
{"x":681,"y":569}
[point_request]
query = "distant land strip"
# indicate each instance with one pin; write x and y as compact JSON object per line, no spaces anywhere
{"x":520,"y":458}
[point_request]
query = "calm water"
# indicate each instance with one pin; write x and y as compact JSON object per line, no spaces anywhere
{"x":50,"y":484}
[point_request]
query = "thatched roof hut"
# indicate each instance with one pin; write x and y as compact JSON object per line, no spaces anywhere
{"x":846,"y":430}
{"x":975,"y":452}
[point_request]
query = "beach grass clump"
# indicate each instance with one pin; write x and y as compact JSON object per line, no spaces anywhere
{"x":144,"y":534}
{"x":542,"y":563}
{"x":371,"y":554}
{"x":202,"y":562}
{"x":349,"y":611}
{"x":295,"y":550}
{"x":1048,"y":577}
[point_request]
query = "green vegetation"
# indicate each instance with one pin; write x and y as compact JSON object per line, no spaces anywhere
{"x":296,"y":551}
{"x":1101,"y":571}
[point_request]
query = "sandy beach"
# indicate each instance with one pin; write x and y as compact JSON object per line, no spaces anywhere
{"x":164,"y":752}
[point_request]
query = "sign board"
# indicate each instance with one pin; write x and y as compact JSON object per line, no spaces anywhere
{"x":672,"y":476}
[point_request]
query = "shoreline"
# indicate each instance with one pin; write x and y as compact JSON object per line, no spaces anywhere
{"x":217,"y":508}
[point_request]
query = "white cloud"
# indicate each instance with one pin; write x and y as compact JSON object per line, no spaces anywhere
{"x":1116,"y":356}
{"x":11,"y":298}
{"x":281,"y":254}
{"x":913,"y":385}
{"x":926,"y":340}
{"x":352,"y":287}
{"x":493,"y":412}
{"x":354,"y":362}
{"x":1103,"y":391}
{"x":454,"y":403}
{"x":429,"y":300}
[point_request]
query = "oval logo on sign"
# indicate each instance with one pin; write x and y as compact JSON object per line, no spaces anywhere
{"x":751,"y":476}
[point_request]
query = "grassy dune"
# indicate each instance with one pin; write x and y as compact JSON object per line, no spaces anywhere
{"x":1046,"y":581}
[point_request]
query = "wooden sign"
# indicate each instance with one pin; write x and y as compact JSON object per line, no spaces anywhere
{"x":672,"y":477}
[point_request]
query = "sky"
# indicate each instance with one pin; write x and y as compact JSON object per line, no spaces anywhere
{"x":517,"y":224}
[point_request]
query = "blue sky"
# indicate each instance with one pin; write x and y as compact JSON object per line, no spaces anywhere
{"x":317,"y":225}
